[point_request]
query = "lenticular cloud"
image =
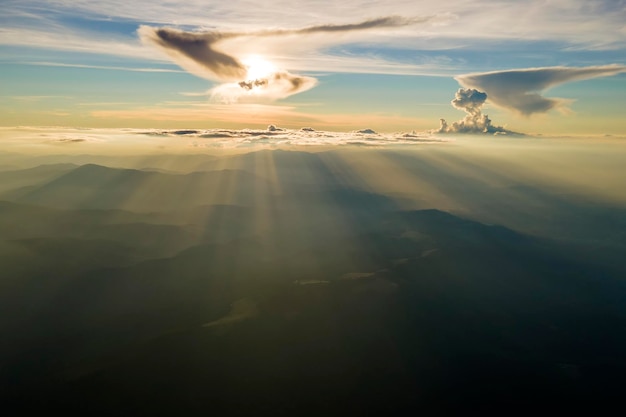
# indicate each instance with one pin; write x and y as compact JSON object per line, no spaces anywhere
{"x":209,"y":55}
{"x":520,"y":90}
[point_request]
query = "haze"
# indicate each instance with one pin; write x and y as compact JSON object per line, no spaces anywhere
{"x":312,"y":208}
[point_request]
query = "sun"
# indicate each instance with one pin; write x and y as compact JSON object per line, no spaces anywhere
{"x":258,"y":67}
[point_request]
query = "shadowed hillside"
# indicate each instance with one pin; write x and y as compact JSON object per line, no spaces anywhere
{"x":98,"y":187}
{"x":296,"y":291}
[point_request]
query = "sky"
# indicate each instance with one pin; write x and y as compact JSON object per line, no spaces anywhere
{"x":533,"y":66}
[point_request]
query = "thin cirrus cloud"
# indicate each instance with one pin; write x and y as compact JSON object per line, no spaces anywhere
{"x":520,"y":90}
{"x":574,"y":26}
{"x":208,"y":55}
{"x":596,"y":22}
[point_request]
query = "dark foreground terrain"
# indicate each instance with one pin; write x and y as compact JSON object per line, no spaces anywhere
{"x":269,"y":284}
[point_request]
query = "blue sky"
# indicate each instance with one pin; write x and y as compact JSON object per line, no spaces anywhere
{"x":83,"y":63}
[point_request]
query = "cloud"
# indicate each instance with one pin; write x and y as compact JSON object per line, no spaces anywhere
{"x":195,"y":52}
{"x":206,"y":54}
{"x":382,"y":22}
{"x":276,"y":86}
{"x":520,"y":90}
{"x":198,"y":52}
{"x":57,"y":37}
{"x":276,"y":137}
{"x":555,"y":31}
{"x":104,"y":67}
{"x":577,"y":21}
{"x":67,"y":140}
{"x":470,"y":101}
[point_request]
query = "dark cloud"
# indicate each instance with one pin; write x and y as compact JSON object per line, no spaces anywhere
{"x":297,"y":82}
{"x":291,"y":83}
{"x":249,"y":85}
{"x":519,"y":90}
{"x":196,"y":48}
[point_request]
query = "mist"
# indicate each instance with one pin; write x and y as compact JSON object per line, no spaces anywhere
{"x":286,"y":260}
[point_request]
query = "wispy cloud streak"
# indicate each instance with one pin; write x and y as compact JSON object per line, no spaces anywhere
{"x":104,"y":67}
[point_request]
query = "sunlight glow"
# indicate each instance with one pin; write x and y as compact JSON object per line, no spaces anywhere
{"x":258,"y":67}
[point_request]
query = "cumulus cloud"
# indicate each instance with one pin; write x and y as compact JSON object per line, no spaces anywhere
{"x":470,"y":101}
{"x":208,"y":55}
{"x":520,"y":90}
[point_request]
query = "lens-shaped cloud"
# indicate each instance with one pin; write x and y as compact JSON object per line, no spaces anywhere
{"x":277,"y":85}
{"x":520,"y":90}
{"x":208,"y":55}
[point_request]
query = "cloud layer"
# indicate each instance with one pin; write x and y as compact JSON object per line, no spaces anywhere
{"x":277,"y":137}
{"x":520,"y":90}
